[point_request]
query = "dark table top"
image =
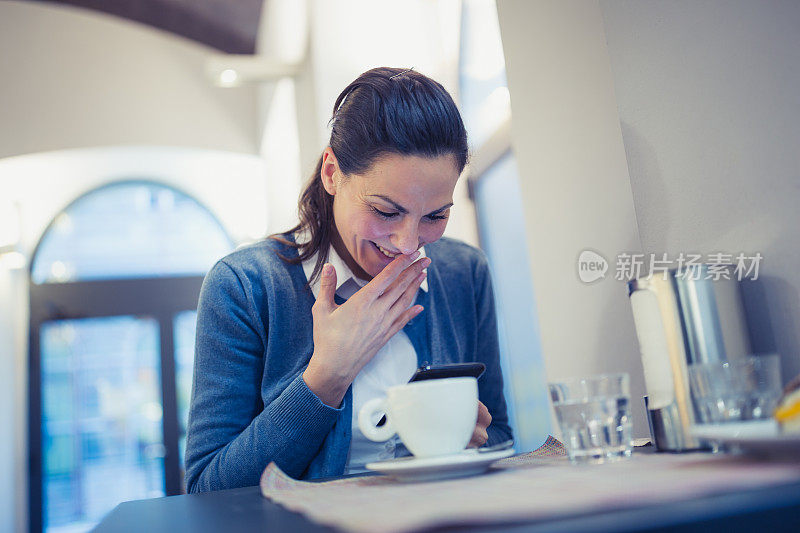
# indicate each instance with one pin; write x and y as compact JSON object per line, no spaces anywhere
{"x":775,"y":508}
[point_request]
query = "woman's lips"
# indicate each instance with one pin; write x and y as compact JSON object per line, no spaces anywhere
{"x":386,"y":252}
{"x":384,"y":258}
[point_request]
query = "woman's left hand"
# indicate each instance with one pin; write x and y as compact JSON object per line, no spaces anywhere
{"x":479,"y":434}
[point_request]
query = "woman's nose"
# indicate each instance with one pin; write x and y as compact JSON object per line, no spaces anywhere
{"x":406,"y":238}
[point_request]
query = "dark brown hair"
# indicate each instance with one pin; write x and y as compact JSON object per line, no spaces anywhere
{"x":383,"y":111}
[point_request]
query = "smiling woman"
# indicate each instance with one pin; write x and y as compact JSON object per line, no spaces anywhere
{"x":297,"y":332}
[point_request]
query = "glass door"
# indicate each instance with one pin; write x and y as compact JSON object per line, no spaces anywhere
{"x":110,"y":380}
{"x":102,"y":436}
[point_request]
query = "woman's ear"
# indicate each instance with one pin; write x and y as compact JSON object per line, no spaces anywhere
{"x":329,"y":170}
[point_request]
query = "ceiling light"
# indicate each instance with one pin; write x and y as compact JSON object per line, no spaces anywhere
{"x":228,"y":77}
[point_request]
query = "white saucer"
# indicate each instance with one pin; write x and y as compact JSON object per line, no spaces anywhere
{"x":466,"y":463}
{"x":757,"y":436}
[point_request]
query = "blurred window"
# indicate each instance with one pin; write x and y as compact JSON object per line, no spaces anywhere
{"x":485,"y":102}
{"x":486,"y":108}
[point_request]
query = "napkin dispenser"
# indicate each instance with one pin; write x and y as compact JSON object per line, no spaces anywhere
{"x":682,"y":317}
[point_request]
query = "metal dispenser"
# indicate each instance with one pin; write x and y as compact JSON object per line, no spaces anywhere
{"x":683,"y":317}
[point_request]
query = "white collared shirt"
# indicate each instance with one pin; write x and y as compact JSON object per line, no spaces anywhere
{"x":394,"y":364}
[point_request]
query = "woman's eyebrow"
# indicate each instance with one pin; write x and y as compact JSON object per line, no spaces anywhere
{"x":403,"y":209}
{"x":441,"y":209}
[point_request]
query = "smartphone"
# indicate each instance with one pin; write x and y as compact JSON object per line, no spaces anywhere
{"x":455,"y":370}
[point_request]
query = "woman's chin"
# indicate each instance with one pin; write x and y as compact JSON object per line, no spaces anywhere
{"x":373,"y":268}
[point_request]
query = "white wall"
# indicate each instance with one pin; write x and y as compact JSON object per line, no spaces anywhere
{"x":575,"y":186}
{"x":76,"y":78}
{"x":704,"y":96}
{"x":708,"y":100}
{"x":13,"y":399}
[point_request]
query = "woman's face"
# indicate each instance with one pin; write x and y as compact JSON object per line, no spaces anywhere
{"x":400,"y":204}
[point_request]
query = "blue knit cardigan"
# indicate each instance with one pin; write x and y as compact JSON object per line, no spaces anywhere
{"x":250,"y":405}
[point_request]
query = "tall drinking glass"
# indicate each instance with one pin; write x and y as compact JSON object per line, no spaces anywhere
{"x":594,"y":416}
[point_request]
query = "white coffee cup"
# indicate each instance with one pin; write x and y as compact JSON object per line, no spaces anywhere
{"x":432,"y":417}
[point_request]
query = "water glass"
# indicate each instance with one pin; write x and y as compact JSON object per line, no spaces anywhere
{"x":594,"y":416}
{"x":734,"y":391}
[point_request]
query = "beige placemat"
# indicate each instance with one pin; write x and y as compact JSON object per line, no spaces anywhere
{"x":538,"y":485}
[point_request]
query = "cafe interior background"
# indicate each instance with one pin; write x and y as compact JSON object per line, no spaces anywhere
{"x":142,"y":140}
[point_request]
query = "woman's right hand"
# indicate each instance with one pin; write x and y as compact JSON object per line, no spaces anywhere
{"x":347,"y":336}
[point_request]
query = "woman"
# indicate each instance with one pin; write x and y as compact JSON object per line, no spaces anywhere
{"x":296,"y":332}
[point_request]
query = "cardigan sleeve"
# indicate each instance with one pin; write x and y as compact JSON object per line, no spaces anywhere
{"x":232,"y":435}
{"x":490,"y":386}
